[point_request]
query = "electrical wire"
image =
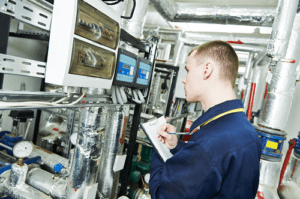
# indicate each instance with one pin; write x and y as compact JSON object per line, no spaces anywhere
{"x":35,"y":103}
{"x":78,"y":100}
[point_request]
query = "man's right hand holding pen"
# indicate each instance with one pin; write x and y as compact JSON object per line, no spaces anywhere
{"x":163,"y":134}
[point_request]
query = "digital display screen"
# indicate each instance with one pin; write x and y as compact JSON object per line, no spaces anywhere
{"x":126,"y":68}
{"x":143,"y":76}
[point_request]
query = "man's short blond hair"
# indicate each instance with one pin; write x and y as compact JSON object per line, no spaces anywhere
{"x":223,"y":54}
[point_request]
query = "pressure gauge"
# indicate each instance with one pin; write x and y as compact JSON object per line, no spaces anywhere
{"x":22,"y":149}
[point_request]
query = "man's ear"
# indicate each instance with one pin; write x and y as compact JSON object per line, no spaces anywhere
{"x":208,"y":69}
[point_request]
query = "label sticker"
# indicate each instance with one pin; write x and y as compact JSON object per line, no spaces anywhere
{"x":131,"y":70}
{"x":269,"y":77}
{"x":272,"y":145}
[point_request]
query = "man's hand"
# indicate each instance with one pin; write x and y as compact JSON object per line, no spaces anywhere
{"x":170,"y":140}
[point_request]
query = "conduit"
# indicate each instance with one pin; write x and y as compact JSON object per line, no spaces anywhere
{"x":189,"y":12}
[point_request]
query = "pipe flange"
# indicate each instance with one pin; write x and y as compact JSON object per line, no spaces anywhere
{"x":297,"y":155}
{"x":270,"y":131}
{"x":270,"y":158}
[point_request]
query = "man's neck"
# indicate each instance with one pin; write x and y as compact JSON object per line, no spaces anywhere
{"x":217,"y":96}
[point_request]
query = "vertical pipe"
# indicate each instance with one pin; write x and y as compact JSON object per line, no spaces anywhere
{"x":87,"y":153}
{"x":277,"y":104}
{"x":249,"y":66}
{"x":177,"y":49}
{"x":251,"y":100}
{"x":154,"y":91}
{"x":247,"y":93}
{"x":286,"y":160}
{"x":282,"y":28}
{"x":134,"y":26}
{"x":112,"y":147}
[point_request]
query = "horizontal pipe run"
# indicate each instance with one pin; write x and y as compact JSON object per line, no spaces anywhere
{"x":191,"y":12}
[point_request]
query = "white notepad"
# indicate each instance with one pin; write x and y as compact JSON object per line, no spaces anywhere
{"x":150,"y":129}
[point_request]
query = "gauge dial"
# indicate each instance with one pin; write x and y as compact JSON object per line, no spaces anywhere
{"x":22,"y":149}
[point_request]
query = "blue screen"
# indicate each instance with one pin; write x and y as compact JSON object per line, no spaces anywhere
{"x":143,"y":74}
{"x":126,"y":68}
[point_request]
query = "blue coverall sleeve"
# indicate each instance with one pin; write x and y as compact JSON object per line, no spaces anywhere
{"x":185,"y":175}
{"x":180,"y":144}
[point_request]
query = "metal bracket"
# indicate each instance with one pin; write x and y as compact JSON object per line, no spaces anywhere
{"x":20,"y":66}
{"x":27,"y":13}
{"x":70,"y":125}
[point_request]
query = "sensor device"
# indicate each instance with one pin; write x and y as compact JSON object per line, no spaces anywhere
{"x":144,"y":74}
{"x":126,"y":69}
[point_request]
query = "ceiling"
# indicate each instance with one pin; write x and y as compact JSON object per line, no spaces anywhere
{"x":153,"y":18}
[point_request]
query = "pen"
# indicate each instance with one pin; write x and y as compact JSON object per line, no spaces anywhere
{"x":179,"y":133}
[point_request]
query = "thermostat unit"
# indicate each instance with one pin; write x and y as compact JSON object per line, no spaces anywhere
{"x":83,"y":45}
{"x":126,"y":69}
{"x":144,"y":74}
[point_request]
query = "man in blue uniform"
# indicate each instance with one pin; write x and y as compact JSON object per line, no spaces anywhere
{"x":221,"y":160}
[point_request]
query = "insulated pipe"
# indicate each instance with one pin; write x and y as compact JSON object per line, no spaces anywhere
{"x":254,"y":38}
{"x":282,"y":28}
{"x":46,"y":183}
{"x":134,"y":26}
{"x":154,"y":91}
{"x":15,"y":187}
{"x":249,"y":65}
{"x":112,"y":146}
{"x":286,"y":160}
{"x":87,"y":153}
{"x":277,"y":104}
{"x":189,"y":12}
{"x":247,"y":93}
{"x":49,"y":159}
{"x":180,"y":42}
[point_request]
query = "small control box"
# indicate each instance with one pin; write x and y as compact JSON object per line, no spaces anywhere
{"x":144,"y":74}
{"x":126,"y":69}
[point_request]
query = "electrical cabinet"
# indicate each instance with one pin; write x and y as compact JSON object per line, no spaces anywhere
{"x":83,"y":44}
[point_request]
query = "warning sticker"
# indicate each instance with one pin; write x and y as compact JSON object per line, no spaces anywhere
{"x":272,"y":145}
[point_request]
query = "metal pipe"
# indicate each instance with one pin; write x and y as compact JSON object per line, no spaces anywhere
{"x":87,"y":153}
{"x":245,"y":38}
{"x":49,"y":159}
{"x":290,"y":185}
{"x":47,"y":183}
{"x":134,"y":26}
{"x":277,"y":104}
{"x":14,"y":184}
{"x":282,"y":28}
{"x":154,"y":91}
{"x":251,"y":100}
{"x":113,"y":138}
{"x":247,"y":92}
{"x":189,"y":12}
{"x":249,"y":65}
